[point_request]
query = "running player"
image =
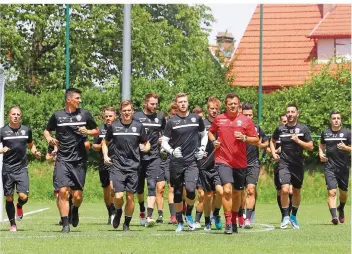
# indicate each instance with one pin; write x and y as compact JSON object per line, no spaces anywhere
{"x":295,"y":137}
{"x":233,"y":131}
{"x":104,"y":175}
{"x":335,"y":153}
{"x":165,"y":172}
{"x":181,"y":141}
{"x":128,"y":139}
{"x":71,"y":125}
{"x":253,"y":168}
{"x":15,"y":137}
{"x":154,"y":124}
{"x":209,"y":177}
{"x":199,"y":207}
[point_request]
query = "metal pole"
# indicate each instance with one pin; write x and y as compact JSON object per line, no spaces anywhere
{"x":126,"y":54}
{"x":67,"y":46}
{"x":2,"y":99}
{"x":260,"y":88}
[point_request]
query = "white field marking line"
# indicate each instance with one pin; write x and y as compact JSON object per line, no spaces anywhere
{"x":186,"y":233}
{"x":29,"y":213}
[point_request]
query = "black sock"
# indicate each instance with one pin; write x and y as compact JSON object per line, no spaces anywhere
{"x":189,"y":210}
{"x":150,"y":212}
{"x":10,"y":210}
{"x":333,"y":212}
{"x":69,"y":206}
{"x":290,"y":205}
{"x":207,"y":220}
{"x":172,"y":209}
{"x":141,"y":207}
{"x":294,"y":210}
{"x":198,"y":216}
{"x":216,"y":212}
{"x":21,"y":202}
{"x":179,"y":217}
{"x":64,"y":221}
{"x":118,"y":212}
{"x":285,"y":211}
{"x":127,"y":220}
{"x":249,"y":213}
{"x":278,"y":199}
{"x":75,"y":209}
{"x":110,"y":209}
{"x":342,"y":205}
{"x":160,"y":212}
{"x":240,"y":212}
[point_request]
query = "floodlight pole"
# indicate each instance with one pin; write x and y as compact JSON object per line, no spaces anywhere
{"x":67,"y":46}
{"x":126,"y":54}
{"x":260,"y":87}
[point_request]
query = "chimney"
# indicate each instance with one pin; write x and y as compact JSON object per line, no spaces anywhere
{"x":226,"y":44}
{"x":325,"y":8}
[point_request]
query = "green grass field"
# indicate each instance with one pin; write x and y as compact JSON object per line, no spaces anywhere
{"x":38,"y":234}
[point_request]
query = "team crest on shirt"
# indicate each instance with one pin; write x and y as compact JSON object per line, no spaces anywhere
{"x":239,"y":123}
{"x":156,"y":120}
{"x":193,"y":119}
{"x":297,"y":130}
{"x":23,"y":132}
{"x":134,"y":129}
{"x":79,"y":117}
{"x":341,"y":135}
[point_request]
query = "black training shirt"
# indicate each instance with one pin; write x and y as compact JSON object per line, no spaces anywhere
{"x":291,"y":152}
{"x":184,"y":132}
{"x":154,"y":126}
{"x":71,"y":142}
{"x":253,"y":150}
{"x":336,"y":157}
{"x":15,"y":160}
{"x":125,"y":151}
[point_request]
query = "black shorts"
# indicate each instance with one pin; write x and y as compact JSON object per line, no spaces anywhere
{"x":291,"y":174}
{"x":209,"y":179}
{"x":163,"y":173}
{"x":104,"y":176}
{"x":20,"y":180}
{"x":276,"y":178}
{"x":236,"y":176}
{"x":336,"y":177}
{"x":183,"y":172}
{"x":149,"y":169}
{"x":124,"y":181}
{"x":70,"y":174}
{"x":252,"y":174}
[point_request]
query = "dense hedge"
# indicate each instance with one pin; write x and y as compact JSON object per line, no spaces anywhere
{"x":316,"y":99}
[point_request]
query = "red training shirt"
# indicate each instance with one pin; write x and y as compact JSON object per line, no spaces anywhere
{"x":232,"y":152}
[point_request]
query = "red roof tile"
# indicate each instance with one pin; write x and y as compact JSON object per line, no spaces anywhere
{"x":287,"y":52}
{"x":336,"y":23}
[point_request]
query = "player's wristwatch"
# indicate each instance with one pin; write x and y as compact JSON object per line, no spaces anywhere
{"x":245,"y":138}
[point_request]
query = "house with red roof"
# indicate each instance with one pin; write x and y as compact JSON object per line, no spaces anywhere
{"x":295,"y":37}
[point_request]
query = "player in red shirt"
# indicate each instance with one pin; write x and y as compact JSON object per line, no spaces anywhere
{"x":233,"y":131}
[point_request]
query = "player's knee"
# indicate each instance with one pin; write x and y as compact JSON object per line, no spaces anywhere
{"x":251,"y":192}
{"x":151,"y":187}
{"x":23,"y":197}
{"x":208,"y":195}
{"x":130,"y":197}
{"x":219,"y":190}
{"x":332,"y":193}
{"x":200,"y":193}
{"x":227,"y":190}
{"x":9,"y":198}
{"x":178,"y":195}
{"x":160,"y":188}
{"x":119,"y":195}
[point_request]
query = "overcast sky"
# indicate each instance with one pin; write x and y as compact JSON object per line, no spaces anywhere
{"x":233,"y":18}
